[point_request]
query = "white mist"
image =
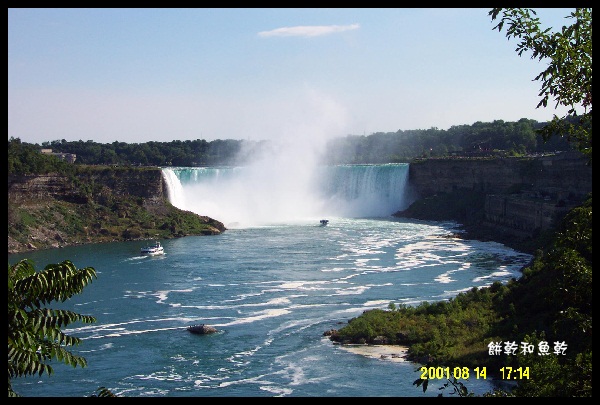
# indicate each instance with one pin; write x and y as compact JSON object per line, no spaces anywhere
{"x":280,"y":183}
{"x":285,"y":183}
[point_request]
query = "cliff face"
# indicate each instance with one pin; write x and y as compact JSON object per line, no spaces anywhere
{"x":96,"y":205}
{"x":518,"y":197}
{"x":147,"y":184}
{"x":563,"y":176}
{"x":24,"y":189}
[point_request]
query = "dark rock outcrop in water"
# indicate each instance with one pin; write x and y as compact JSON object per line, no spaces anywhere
{"x":202,"y":329}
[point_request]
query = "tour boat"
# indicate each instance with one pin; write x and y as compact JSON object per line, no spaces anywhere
{"x":153,"y":250}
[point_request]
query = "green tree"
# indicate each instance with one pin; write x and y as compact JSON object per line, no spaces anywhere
{"x":35,"y":337}
{"x":568,"y":76}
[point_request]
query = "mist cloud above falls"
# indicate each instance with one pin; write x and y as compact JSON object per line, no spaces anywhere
{"x":278,"y":180}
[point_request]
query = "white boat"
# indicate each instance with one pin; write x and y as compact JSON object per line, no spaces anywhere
{"x":153,"y":250}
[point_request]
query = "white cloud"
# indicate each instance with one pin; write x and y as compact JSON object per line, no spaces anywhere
{"x":308,"y":30}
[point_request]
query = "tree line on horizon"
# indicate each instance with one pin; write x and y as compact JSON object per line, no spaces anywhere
{"x":497,"y":137}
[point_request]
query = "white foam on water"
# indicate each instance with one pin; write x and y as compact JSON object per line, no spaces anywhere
{"x":269,"y":313}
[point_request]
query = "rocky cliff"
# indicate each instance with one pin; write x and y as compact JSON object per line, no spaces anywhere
{"x":562,"y":176}
{"x":146,"y":184}
{"x":96,"y":204}
{"x":508,"y":198}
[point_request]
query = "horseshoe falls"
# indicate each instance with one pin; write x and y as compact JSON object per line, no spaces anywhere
{"x":259,"y":195}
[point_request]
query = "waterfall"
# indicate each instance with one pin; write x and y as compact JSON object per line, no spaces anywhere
{"x":365,"y":190}
{"x":262,"y":195}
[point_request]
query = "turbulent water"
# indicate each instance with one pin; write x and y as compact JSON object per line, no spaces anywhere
{"x":271,"y":290}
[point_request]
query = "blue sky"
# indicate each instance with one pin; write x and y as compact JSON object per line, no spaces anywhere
{"x":139,"y":75}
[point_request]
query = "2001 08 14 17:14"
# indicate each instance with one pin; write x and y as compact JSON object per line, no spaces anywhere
{"x":444,"y":373}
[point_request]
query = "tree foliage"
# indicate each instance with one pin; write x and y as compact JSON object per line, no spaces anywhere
{"x":497,"y":138}
{"x":568,"y":76}
{"x":25,"y":158}
{"x":35,"y":335}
